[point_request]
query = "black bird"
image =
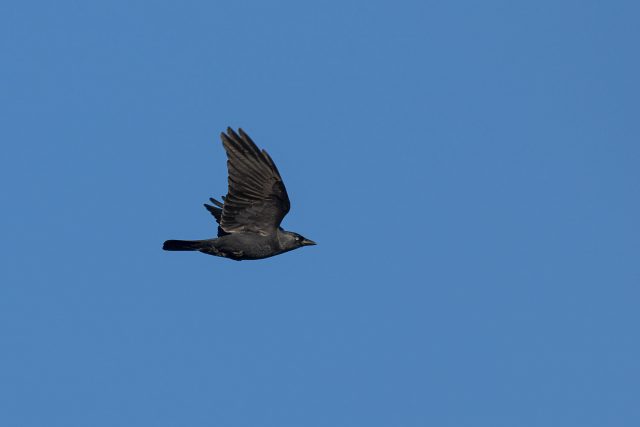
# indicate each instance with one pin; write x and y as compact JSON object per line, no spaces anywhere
{"x":256,"y":202}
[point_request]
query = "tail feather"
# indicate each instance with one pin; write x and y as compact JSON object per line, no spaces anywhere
{"x":183,"y":245}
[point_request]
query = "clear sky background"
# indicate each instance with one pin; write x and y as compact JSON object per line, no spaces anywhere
{"x":469,"y":169}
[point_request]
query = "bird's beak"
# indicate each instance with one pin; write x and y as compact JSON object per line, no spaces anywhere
{"x":307,"y":242}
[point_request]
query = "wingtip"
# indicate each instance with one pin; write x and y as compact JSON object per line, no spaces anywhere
{"x":229,"y":134}
{"x":232,"y":133}
{"x":216,"y":202}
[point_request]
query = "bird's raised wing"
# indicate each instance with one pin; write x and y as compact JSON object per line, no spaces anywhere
{"x":257,"y":200}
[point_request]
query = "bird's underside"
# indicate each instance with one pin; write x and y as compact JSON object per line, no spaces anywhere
{"x":249,"y":216}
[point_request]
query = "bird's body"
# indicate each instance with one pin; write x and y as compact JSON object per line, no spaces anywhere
{"x":239,"y":246}
{"x":249,"y":219}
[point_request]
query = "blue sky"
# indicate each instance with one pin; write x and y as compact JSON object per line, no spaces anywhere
{"x":469,"y":170}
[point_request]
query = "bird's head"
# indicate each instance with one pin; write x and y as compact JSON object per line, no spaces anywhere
{"x":293,"y":240}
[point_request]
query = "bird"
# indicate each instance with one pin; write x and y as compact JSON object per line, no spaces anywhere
{"x":249,"y":216}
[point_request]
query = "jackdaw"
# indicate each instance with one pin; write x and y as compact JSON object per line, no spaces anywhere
{"x":249,"y":216}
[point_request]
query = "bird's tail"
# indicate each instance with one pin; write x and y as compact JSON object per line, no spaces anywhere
{"x":183,"y":245}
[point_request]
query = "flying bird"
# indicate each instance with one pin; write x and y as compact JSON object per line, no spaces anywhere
{"x":249,"y":216}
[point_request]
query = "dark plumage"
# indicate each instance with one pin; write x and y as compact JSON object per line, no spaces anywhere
{"x":249,"y":216}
